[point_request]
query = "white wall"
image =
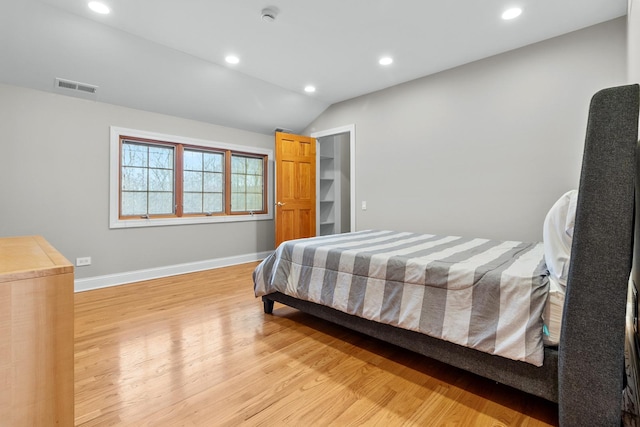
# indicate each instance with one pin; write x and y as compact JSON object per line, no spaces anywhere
{"x":54,"y":170}
{"x":483,"y":149}
{"x":633,"y":40}
{"x":343,"y":142}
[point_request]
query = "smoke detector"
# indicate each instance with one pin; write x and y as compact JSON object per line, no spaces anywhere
{"x":269,"y":14}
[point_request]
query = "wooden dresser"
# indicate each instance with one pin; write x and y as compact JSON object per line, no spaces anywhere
{"x":36,"y":334}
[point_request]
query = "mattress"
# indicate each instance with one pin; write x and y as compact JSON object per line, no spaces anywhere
{"x":480,"y":293}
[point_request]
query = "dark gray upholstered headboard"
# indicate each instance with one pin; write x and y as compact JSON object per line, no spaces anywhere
{"x":591,"y":355}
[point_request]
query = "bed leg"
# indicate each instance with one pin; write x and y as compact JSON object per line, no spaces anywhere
{"x":268,"y":305}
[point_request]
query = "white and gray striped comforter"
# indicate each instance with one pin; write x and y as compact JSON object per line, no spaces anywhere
{"x":479,"y":293}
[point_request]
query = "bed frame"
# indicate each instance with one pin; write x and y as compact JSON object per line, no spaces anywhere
{"x":585,"y":374}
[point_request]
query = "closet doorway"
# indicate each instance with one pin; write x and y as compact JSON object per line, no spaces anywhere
{"x":335,"y":182}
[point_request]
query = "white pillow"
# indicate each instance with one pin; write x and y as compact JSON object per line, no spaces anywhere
{"x":557,"y":235}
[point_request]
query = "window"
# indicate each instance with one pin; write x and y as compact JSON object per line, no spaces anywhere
{"x":147,"y":185}
{"x":165,"y":180}
{"x":247,"y":183}
{"x":203,"y":178}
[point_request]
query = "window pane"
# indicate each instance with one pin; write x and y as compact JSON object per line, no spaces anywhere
{"x":213,"y":162}
{"x":254,"y":202}
{"x":238,"y":164}
{"x":213,"y":202}
{"x":213,"y":182}
{"x":192,"y":160}
{"x":193,"y":181}
{"x":193,"y":203}
{"x":250,"y":183}
{"x":160,"y":157}
{"x":134,"y":179}
{"x":238,"y":202}
{"x":254,"y":184}
{"x":254,"y":166}
{"x":160,"y":180}
{"x":134,"y":154}
{"x":238,"y":183}
{"x":134,"y":203}
{"x":160,"y":203}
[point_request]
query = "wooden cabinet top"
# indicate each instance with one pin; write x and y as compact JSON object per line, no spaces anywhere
{"x":30,"y":256}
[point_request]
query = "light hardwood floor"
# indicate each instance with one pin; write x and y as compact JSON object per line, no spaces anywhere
{"x":197,"y":350}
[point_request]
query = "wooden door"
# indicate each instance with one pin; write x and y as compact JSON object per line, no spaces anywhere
{"x":295,"y":187}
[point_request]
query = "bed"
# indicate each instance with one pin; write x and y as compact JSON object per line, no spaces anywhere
{"x":484,"y":306}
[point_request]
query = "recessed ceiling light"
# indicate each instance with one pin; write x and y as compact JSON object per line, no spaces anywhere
{"x":386,"y":60}
{"x":511,"y":13}
{"x":232,"y":59}
{"x":98,"y":7}
{"x":309,"y":89}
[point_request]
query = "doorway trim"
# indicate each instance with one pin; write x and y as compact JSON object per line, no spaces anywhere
{"x":351,"y":130}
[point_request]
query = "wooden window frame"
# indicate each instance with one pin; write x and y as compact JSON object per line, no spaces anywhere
{"x":180,"y":192}
{"x":117,"y":220}
{"x":264,"y":183}
{"x":148,"y":143}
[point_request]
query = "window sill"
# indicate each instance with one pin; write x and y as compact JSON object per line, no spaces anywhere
{"x":163,"y":222}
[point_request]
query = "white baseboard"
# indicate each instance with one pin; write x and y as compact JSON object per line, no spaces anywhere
{"x":97,"y":282}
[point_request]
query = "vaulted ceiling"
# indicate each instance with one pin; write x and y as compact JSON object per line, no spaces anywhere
{"x":168,"y":56}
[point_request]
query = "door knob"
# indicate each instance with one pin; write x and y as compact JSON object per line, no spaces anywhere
{"x":280,"y":204}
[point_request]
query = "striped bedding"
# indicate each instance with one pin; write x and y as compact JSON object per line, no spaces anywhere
{"x":484,"y":294}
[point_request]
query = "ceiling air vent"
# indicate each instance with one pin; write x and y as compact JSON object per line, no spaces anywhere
{"x":89,"y":89}
{"x":65,"y":86}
